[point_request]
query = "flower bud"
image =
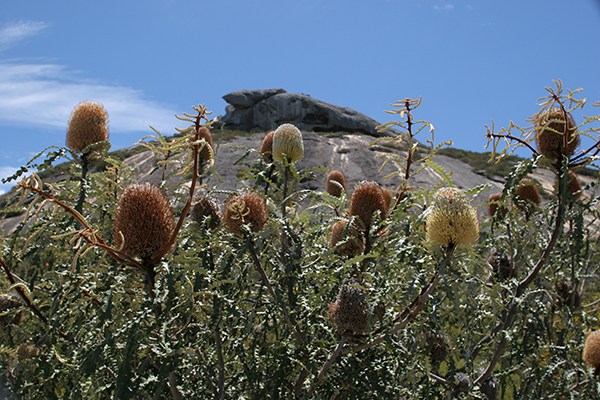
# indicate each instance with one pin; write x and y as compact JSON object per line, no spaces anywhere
{"x":206,"y":151}
{"x":494,"y":204}
{"x":266,"y":147}
{"x":288,"y":144}
{"x":451,"y":220}
{"x":528,"y":192}
{"x":88,"y":124}
{"x":366,"y":200}
{"x":336,"y":182}
{"x":245,"y":208}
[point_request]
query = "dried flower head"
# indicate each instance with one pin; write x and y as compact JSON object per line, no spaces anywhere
{"x":143,"y":221}
{"x":336,"y":182}
{"x":438,"y":345}
{"x":528,"y":192}
{"x":366,"y":200}
{"x":451,"y":220}
{"x":550,"y":131}
{"x":494,"y":204}
{"x":350,"y":311}
{"x":204,"y":208}
{"x":266,"y":147}
{"x":206,"y":150}
{"x":353,"y":245}
{"x":88,"y":125}
{"x":288,"y":144}
{"x":245,"y":208}
{"x":591,"y":350}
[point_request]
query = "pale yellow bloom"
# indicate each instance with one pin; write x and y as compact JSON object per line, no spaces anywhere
{"x":287,"y":142}
{"x":451,"y":219}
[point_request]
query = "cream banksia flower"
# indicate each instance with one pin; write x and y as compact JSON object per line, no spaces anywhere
{"x":451,"y":220}
{"x":88,"y":124}
{"x":288,"y":144}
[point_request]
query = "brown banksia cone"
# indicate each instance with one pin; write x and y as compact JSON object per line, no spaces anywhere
{"x":25,"y":351}
{"x":550,"y":130}
{"x":528,"y":192}
{"x":388,"y":197}
{"x":203,"y":209}
{"x":288,"y":144}
{"x":366,"y":200}
{"x":494,"y":204}
{"x":353,"y":245}
{"x":591,"y":351}
{"x":88,"y":124}
{"x":245,"y":208}
{"x":566,"y":295}
{"x":206,"y":151}
{"x":438,"y":345}
{"x":350,"y":311}
{"x":336,"y":183}
{"x":501,"y":265}
{"x":266,"y":147}
{"x":143,"y":221}
{"x":573,"y":185}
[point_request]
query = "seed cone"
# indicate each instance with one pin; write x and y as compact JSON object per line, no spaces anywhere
{"x":206,"y":151}
{"x":573,"y":185}
{"x":336,"y":182}
{"x":550,"y":130}
{"x":288,"y":144}
{"x":591,"y":350}
{"x":451,"y":220}
{"x":266,"y":147}
{"x":204,"y":208}
{"x":528,"y":192}
{"x":367,"y":199}
{"x":88,"y":124}
{"x":143,"y":221}
{"x":246,"y":208}
{"x":388,"y":197}
{"x":350,"y":310}
{"x":353,"y":246}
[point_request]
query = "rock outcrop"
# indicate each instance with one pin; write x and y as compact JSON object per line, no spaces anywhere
{"x":264,"y":110}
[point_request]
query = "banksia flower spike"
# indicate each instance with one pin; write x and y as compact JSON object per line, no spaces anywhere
{"x":88,"y":125}
{"x":143,"y":221}
{"x":204,"y":208}
{"x":350,"y":311}
{"x":574,"y":185}
{"x":494,"y":204}
{"x":266,"y":147}
{"x":387,"y":196}
{"x":367,"y":199}
{"x":528,"y":192}
{"x":550,"y":131}
{"x":451,"y":220}
{"x":205,"y":153}
{"x":591,"y":351}
{"x":246,"y":208}
{"x":288,"y":144}
{"x":353,"y":245}
{"x":336,"y":182}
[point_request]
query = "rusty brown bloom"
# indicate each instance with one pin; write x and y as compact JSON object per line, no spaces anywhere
{"x":350,"y":311}
{"x":366,"y":201}
{"x":245,"y":208}
{"x":88,"y":124}
{"x":550,"y":131}
{"x":336,"y":183}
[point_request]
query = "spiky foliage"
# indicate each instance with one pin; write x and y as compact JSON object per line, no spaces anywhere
{"x":143,"y":221}
{"x":88,"y":124}
{"x":451,"y":220}
{"x":336,"y":183}
{"x":245,"y":208}
{"x":366,"y":200}
{"x":555,"y":134}
{"x":288,"y":144}
{"x":350,"y":311}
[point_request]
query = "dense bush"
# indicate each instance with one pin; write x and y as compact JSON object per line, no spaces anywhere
{"x":112,"y":291}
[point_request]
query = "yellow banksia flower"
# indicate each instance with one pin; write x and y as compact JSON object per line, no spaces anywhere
{"x":353,"y":245}
{"x":336,"y":182}
{"x":88,"y":124}
{"x":350,"y":311}
{"x":205,"y":207}
{"x":367,"y":199}
{"x":266,"y":147}
{"x":288,"y":144}
{"x":451,"y":220}
{"x":245,"y":208}
{"x":591,"y":350}
{"x":143,"y":221}
{"x":550,"y":131}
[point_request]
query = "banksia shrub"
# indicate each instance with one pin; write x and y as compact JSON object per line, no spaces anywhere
{"x":205,"y":153}
{"x":204,"y":208}
{"x":367,"y":199}
{"x":549,"y":134}
{"x":353,"y":245}
{"x":143,"y":221}
{"x":493,"y":204}
{"x":336,"y":182}
{"x":591,"y":351}
{"x":88,"y":124}
{"x":288,"y":144}
{"x":245,"y":208}
{"x":451,"y":220}
{"x":350,"y":311}
{"x":528,"y":192}
{"x":266,"y":147}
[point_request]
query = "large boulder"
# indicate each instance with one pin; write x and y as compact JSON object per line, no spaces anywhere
{"x":265,"y":110}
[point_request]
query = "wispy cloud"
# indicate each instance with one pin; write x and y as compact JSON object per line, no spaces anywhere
{"x":15,"y":32}
{"x":446,"y":7}
{"x":43,"y":95}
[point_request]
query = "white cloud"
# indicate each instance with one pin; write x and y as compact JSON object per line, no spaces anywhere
{"x":43,"y":95}
{"x":5,"y":172}
{"x":446,"y":7}
{"x":15,"y":32}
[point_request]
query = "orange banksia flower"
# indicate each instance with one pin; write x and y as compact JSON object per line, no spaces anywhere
{"x":246,"y":208}
{"x":266,"y":147}
{"x":528,"y":192}
{"x":367,"y":199}
{"x":143,"y":221}
{"x":550,"y":134}
{"x":288,"y":144}
{"x":336,"y":182}
{"x":591,"y":351}
{"x":204,"y":208}
{"x":88,"y":124}
{"x":353,"y":245}
{"x":451,"y":220}
{"x":206,"y":151}
{"x":350,"y":311}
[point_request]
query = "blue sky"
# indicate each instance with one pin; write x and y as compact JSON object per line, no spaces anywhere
{"x":471,"y":61}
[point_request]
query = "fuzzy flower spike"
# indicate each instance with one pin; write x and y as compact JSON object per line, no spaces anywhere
{"x":288,"y":144}
{"x":451,"y":220}
{"x":88,"y":125}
